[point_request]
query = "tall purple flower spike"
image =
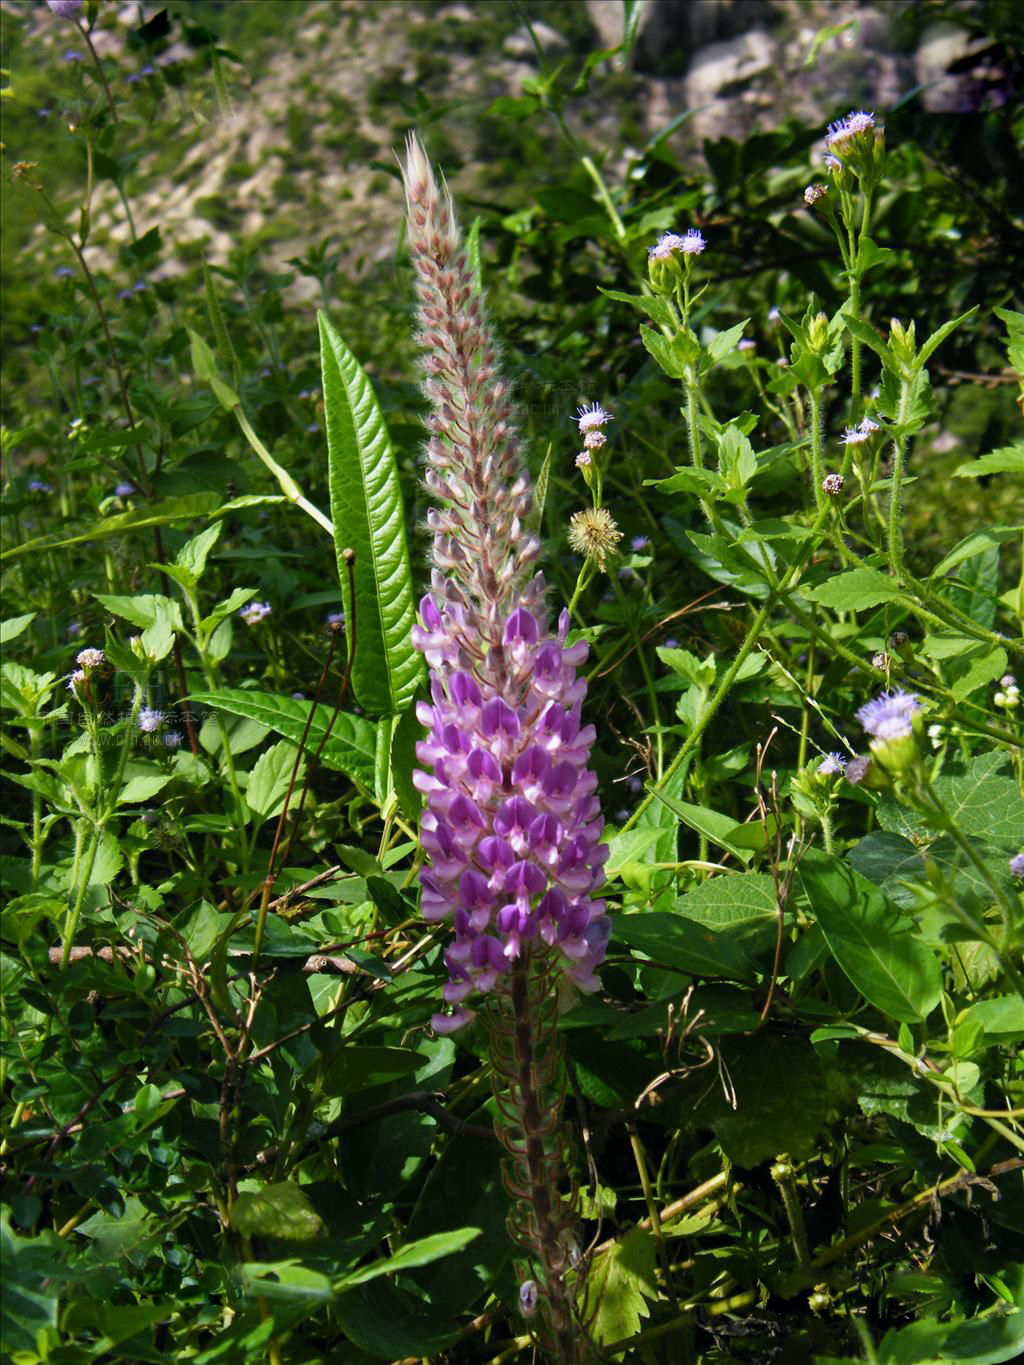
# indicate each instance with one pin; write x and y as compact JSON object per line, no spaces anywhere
{"x":512,"y":825}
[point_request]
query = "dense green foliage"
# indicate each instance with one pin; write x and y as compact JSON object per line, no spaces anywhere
{"x":229,"y":1131}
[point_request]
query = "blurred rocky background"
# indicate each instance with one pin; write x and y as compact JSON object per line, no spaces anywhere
{"x":315,"y":95}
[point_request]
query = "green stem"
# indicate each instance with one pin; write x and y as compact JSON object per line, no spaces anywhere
{"x":287,"y":484}
{"x":817,"y":454}
{"x":74,"y":914}
{"x":692,"y":425}
{"x":99,"y":69}
{"x":899,"y":450}
{"x":605,"y":197}
{"x":693,"y":738}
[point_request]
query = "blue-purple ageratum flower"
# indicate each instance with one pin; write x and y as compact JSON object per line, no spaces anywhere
{"x":65,"y":9}
{"x":512,"y":823}
{"x":1017,"y":866}
{"x":889,"y":716}
{"x":39,"y":486}
{"x":149,"y":720}
{"x":671,"y":243}
{"x":843,"y":129}
{"x":255,"y":612}
{"x":832,"y":764}
{"x":125,"y":489}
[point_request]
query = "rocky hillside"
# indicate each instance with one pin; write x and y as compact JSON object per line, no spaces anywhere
{"x":297,"y":142}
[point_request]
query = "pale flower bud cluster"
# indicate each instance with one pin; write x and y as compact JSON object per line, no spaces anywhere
{"x":1008,"y":695}
{"x":482,"y":550}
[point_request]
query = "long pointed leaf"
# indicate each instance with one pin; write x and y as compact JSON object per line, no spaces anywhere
{"x":366,"y":508}
{"x":350,"y":748}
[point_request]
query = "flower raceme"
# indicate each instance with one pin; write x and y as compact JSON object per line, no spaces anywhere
{"x":512,"y":824}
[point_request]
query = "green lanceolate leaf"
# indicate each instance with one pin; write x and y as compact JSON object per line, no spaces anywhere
{"x":366,"y":507}
{"x":350,"y":748}
{"x":155,"y":514}
{"x":413,"y":1254}
{"x":874,"y":942}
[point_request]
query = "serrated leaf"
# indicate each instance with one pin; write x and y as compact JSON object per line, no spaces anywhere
{"x":875,"y":943}
{"x":659,"y":310}
{"x":194,"y":553}
{"x":670,"y":353}
{"x":144,"y":610}
{"x":352,"y":742}
{"x":865,"y":333}
{"x":720,"y":346}
{"x":280,"y":1210}
{"x":366,"y":507}
{"x":855,"y":590}
{"x":1004,"y":460}
{"x":29,"y":1300}
{"x":622,"y":1280}
{"x":975,"y":544}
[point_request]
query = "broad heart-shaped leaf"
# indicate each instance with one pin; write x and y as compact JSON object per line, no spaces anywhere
{"x":980,"y":794}
{"x":782,"y":1097}
{"x":389,"y":1324}
{"x":855,"y":590}
{"x":741,"y":908}
{"x":684,"y":944}
{"x":622,"y":1279}
{"x":874,"y":942}
{"x":281,"y":1210}
{"x":366,"y":508}
{"x":350,"y":748}
{"x":985,"y":1340}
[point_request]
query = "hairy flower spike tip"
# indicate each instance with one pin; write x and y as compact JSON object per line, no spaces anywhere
{"x":594,"y":534}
